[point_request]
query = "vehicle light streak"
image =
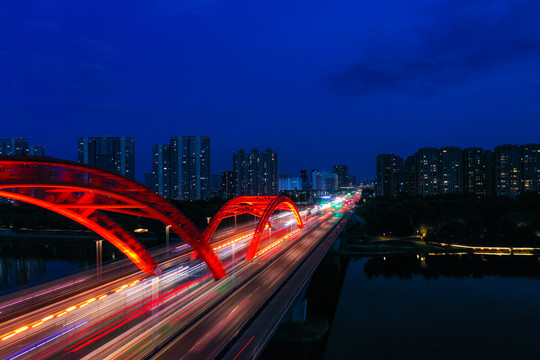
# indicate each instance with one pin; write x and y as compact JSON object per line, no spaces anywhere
{"x":232,"y":317}
{"x":41,"y":293}
{"x":211,"y":330}
{"x":78,"y":335}
{"x":146,"y":343}
{"x":21,"y":329}
{"x":43,"y":342}
{"x":232,"y":242}
{"x":276,"y":243}
{"x":143,"y":345}
{"x":121,"y":288}
{"x":8,"y":335}
{"x":268,"y":254}
{"x":245,"y":346}
{"x":131,"y":347}
{"x":194,"y":307}
{"x":119,"y":323}
{"x":181,"y":247}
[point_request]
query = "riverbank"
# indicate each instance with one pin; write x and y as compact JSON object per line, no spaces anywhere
{"x":415,"y":244}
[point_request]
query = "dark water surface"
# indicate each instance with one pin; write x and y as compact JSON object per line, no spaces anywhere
{"x":29,"y":261}
{"x":438,"y":307}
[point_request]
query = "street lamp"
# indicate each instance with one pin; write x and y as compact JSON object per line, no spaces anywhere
{"x":99,"y":258}
{"x":167,"y":240}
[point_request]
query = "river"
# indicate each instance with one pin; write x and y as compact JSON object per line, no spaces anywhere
{"x":438,"y":307}
{"x":417,"y":306}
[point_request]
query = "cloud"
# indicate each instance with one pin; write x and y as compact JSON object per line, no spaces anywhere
{"x":458,"y":42}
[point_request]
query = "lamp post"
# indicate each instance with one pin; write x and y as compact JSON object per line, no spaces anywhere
{"x":167,"y":240}
{"x":99,"y":258}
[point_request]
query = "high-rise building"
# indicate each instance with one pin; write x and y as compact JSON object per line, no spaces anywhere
{"x":489,"y":160}
{"x":115,"y":154}
{"x":256,"y":173}
{"x":14,"y":146}
{"x":290,"y":184}
{"x":342,"y":172}
{"x":37,"y":150}
{"x":228,"y":185}
{"x":388,"y":180}
{"x":162,"y":170}
{"x":507,"y":170}
{"x":530,"y":179}
{"x":305,"y":179}
{"x":409,"y":175}
{"x":324,"y":181}
{"x":181,"y":169}
{"x":427,"y":171}
{"x":474,"y":171}
{"x":451,"y":170}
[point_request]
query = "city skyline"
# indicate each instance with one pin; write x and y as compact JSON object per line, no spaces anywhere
{"x":507,"y":170}
{"x":325,"y":83}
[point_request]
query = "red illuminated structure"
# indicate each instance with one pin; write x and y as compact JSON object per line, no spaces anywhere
{"x":82,"y":193}
{"x":260,"y":206}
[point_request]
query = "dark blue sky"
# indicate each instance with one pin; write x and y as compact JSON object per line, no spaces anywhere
{"x":321,"y":82}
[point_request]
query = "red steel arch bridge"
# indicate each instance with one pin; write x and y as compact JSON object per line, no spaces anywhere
{"x":85,"y":194}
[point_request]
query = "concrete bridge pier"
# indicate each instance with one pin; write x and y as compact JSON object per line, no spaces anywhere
{"x":297,"y":314}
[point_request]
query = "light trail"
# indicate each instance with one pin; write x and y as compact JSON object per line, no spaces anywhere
{"x":211,"y":330}
{"x":245,"y":346}
{"x":136,"y":303}
{"x":196,"y":306}
{"x":42,"y":293}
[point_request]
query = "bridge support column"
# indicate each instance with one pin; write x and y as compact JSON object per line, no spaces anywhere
{"x":336,"y":245}
{"x":297,"y":314}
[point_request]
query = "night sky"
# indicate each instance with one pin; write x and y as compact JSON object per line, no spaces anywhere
{"x":321,"y":82}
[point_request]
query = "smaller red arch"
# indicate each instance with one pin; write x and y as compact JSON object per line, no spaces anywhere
{"x":254,"y":205}
{"x":260,"y":206}
{"x":277,"y":203}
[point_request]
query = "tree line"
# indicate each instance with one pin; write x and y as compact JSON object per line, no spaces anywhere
{"x":455,"y":217}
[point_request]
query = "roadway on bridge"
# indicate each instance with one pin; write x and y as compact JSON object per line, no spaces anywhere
{"x":212,"y":335}
{"x":131,"y":315}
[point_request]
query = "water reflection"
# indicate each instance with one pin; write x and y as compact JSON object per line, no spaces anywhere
{"x":447,"y":306}
{"x":432,"y":267}
{"x":25,"y":262}
{"x":454,"y":306}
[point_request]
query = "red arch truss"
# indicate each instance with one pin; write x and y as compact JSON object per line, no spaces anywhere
{"x":82,"y":193}
{"x":260,"y":206}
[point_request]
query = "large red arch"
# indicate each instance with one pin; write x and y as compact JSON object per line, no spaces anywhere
{"x":260,"y":206}
{"x":82,"y":192}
